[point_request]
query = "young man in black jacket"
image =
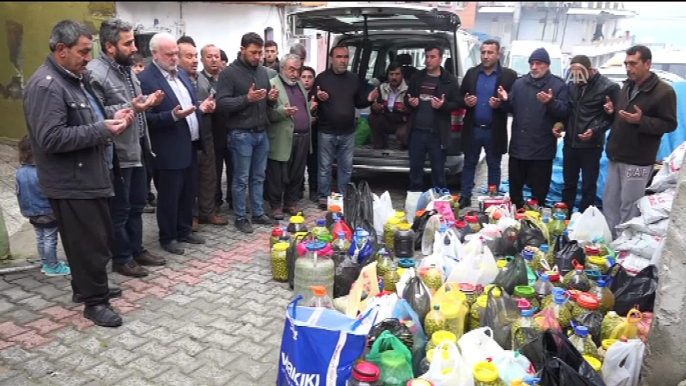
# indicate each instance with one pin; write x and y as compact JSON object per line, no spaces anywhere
{"x":338,"y":92}
{"x":585,"y":130}
{"x":431,"y":97}
{"x":485,"y":124}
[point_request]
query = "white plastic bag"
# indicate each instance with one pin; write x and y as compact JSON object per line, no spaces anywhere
{"x":638,"y":225}
{"x":411,"y":205}
{"x":478,"y":345}
{"x":478,"y":266}
{"x":591,"y":226}
{"x":512,"y":366}
{"x":656,"y":206}
{"x":668,"y":176}
{"x":402,"y":282}
{"x":386,"y":303}
{"x":453,"y":371}
{"x":637,"y":243}
{"x":430,"y":230}
{"x":622,"y":364}
{"x":383,"y":211}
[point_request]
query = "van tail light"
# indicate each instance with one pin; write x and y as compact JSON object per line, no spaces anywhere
{"x":457,"y":120}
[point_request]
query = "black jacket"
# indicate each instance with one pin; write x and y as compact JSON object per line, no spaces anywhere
{"x":637,"y":144}
{"x":532,"y":125}
{"x":586,"y":111}
{"x":346,"y":92}
{"x":232,"y":96}
{"x":506,"y":78}
{"x":448,"y":86}
{"x":68,"y":141}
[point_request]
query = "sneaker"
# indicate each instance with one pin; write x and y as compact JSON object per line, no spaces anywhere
{"x":277,"y":214}
{"x":243,"y":225}
{"x":60,"y":270}
{"x":262,"y":220}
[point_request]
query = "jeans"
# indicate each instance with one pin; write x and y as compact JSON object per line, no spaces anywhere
{"x":481,"y":138}
{"x":46,"y":239}
{"x":422,"y":142}
{"x":130,"y":194}
{"x":249,"y":153}
{"x":588,"y":162}
{"x":342,"y":148}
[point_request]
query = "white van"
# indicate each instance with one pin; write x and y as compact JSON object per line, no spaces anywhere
{"x":517,"y":56}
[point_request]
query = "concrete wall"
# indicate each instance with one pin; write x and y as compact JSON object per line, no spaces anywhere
{"x":220,"y":24}
{"x":24,"y":46}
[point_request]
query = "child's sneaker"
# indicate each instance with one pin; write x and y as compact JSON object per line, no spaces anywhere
{"x":60,"y":270}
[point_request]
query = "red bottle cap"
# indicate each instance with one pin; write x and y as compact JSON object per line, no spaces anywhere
{"x":366,"y":372}
{"x":588,"y":301}
{"x":471,"y":219}
{"x":574,"y":294}
{"x":560,"y":205}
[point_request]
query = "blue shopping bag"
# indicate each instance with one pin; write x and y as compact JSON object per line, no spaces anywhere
{"x":320,"y":346}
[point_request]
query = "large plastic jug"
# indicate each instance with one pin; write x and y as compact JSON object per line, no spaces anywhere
{"x":313,"y":269}
{"x":404,"y":241}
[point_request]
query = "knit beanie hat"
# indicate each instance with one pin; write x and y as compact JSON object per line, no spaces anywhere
{"x":541,"y":55}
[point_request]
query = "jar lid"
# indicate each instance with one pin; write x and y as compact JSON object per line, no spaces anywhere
{"x":394,"y":221}
{"x":588,"y":301}
{"x":482,"y":301}
{"x":606,"y":343}
{"x":496,"y":291}
{"x":281,"y":247}
{"x":460,"y":225}
{"x":594,"y":362}
{"x":366,"y":372}
{"x":334,"y":208}
{"x":315,"y":246}
{"x":525,"y":291}
{"x":501,"y":264}
{"x":399,"y":214}
{"x":520,"y":216}
{"x":560,"y":205}
{"x":467,"y":288}
{"x":404,"y":226}
{"x":392,"y":358}
{"x":298,"y":219}
{"x":471,"y":219}
{"x":485,"y":372}
{"x":406,"y":263}
{"x":597,"y":260}
{"x":441,"y":336}
{"x":430,"y":354}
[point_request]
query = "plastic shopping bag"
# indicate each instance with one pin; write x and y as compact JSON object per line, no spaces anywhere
{"x":478,"y":345}
{"x":386,"y":305}
{"x":407,"y":316}
{"x":622,"y":365}
{"x":385,"y":342}
{"x":411,"y":205}
{"x":417,"y":295}
{"x":512,"y":366}
{"x":320,"y":346}
{"x":451,"y":371}
{"x":558,"y":373}
{"x":383,"y":211}
{"x":501,"y":313}
{"x":514,"y":274}
{"x":591,"y":226}
{"x":637,"y":290}
{"x":445,"y":209}
{"x":367,"y":283}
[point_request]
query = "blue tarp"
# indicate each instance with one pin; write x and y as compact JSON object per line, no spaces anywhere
{"x":670,"y":142}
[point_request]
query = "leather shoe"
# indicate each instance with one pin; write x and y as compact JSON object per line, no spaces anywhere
{"x":277,"y":214}
{"x":191,"y":239}
{"x":214,"y":220}
{"x":173,"y":247}
{"x":130,"y":269}
{"x":292,"y":210}
{"x":323,"y":204}
{"x":115,"y":292}
{"x":465,"y":202}
{"x":195,"y":227}
{"x":147,"y":258}
{"x":102,"y":315}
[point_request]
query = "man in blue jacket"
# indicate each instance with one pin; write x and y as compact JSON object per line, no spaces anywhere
{"x":537,"y":101}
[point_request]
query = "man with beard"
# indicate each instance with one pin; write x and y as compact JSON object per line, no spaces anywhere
{"x":289,"y":139}
{"x":243,"y":98}
{"x":537,"y":101}
{"x":485,"y":124}
{"x":307,"y":75}
{"x":70,"y":134}
{"x":176,"y":136}
{"x":116,"y":86}
{"x":389,"y":114}
{"x":205,"y":211}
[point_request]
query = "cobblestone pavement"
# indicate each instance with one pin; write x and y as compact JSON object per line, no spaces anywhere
{"x":210,"y":317}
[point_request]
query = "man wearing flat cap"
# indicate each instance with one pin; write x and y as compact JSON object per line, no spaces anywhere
{"x":537,"y":101}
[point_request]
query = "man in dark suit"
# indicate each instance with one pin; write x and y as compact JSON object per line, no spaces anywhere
{"x":175,"y":135}
{"x":485,"y":124}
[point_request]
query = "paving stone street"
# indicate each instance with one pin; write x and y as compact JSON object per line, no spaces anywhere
{"x":210,"y":317}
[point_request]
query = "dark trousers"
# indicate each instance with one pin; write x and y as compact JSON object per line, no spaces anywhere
{"x":175,"y":199}
{"x":313,"y":162}
{"x":421,"y":143}
{"x":149,"y":170}
{"x":381,"y":126}
{"x":482,"y":137}
{"x":85,"y":227}
{"x":207,"y":181}
{"x":536,"y":174}
{"x":588,"y":162}
{"x":285,"y":179}
{"x":126,"y":208}
{"x":223,"y":161}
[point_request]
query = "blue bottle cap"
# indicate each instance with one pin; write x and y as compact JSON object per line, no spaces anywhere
{"x":315,"y":246}
{"x":321,"y":222}
{"x":341,"y":235}
{"x":443,"y":228}
{"x":560,"y":216}
{"x":582,"y":331}
{"x":545,"y":277}
{"x":528,"y":312}
{"x":601,"y":283}
{"x":528,"y":255}
{"x":544,"y":248}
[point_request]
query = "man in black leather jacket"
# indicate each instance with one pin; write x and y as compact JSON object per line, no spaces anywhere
{"x":585,"y":130}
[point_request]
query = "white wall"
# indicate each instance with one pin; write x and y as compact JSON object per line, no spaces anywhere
{"x":220,"y":24}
